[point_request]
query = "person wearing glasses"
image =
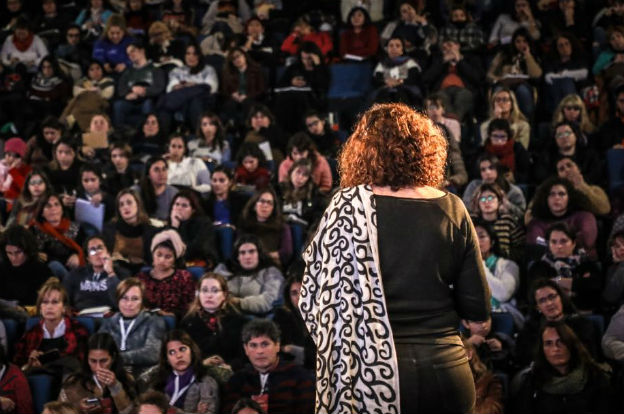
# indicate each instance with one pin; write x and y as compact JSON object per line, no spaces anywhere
{"x":215,"y":324}
{"x":548,"y":303}
{"x":301,"y":146}
{"x":512,"y":155}
{"x":563,"y":377}
{"x":568,"y":141}
{"x":136,"y":331}
{"x":262,"y":217}
{"x":253,"y":280}
{"x":503,"y":105}
{"x":490,"y":205}
{"x":557,"y":200}
{"x":490,"y":171}
{"x":573,"y":109}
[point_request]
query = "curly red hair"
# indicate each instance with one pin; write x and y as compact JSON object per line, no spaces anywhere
{"x":393,"y":145}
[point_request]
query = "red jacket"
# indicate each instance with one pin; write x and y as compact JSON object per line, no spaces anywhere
{"x":292,"y":43}
{"x":14,"y":386}
{"x":76,"y":337}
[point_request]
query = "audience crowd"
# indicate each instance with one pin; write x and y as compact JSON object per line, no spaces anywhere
{"x":163,"y":163}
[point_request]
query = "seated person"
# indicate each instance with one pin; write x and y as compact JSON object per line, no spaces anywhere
{"x":263,"y":218}
{"x":187,"y":217}
{"x":501,"y":142}
{"x":578,"y":276}
{"x":360,"y":38}
{"x":130,"y":233}
{"x":548,"y":303}
{"x":503,"y":105}
{"x":139,"y":85}
{"x":210,"y":144}
{"x":153,"y":189}
{"x":118,"y":174}
{"x":184,"y":170}
{"x":57,"y":336}
{"x":563,"y":377}
{"x":15,"y":395}
{"x":91,"y":189}
{"x":182,"y":376}
{"x":296,"y":342}
{"x":301,"y":146}
{"x":557,"y":200}
{"x":253,"y":280}
{"x":491,"y":171}
{"x":287,"y":389}
{"x":152,"y":402}
{"x":102,"y":377}
{"x":58,"y":238}
{"x":613,"y":292}
{"x":94,"y":285}
{"x":215,"y":324}
{"x":22,"y":272}
{"x":495,"y":349}
{"x":489,"y":389}
{"x":168,"y":287}
{"x":503,"y":275}
{"x":320,"y":131}
{"x":136,"y":332}
{"x":251,"y":170}
{"x":397,"y":77}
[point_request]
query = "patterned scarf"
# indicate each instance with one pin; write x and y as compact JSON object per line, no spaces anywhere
{"x":58,"y":233}
{"x":344,"y":308}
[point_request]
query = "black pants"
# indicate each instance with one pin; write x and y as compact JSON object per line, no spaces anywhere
{"x":435,"y":378}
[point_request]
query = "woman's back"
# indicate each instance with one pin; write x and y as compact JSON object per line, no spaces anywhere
{"x":432,"y":280}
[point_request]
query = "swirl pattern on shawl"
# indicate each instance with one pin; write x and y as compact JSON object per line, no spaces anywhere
{"x":344,"y":308}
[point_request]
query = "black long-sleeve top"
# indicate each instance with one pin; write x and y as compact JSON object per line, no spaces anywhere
{"x":430,"y":265}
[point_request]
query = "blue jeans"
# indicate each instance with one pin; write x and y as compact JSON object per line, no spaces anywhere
{"x":58,"y":270}
{"x":524,"y":96}
{"x":130,"y":113}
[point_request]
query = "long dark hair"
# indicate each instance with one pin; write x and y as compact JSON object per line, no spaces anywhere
{"x":542,"y":282}
{"x":105,"y":342}
{"x":44,"y":201}
{"x":20,"y":237}
{"x":264,"y":260}
{"x":148,"y":195}
{"x":193,"y":200}
{"x":500,"y":170}
{"x":164,"y":369}
{"x":579,"y":356}
{"x":201,"y":64}
{"x":219,"y":138}
{"x":25,"y":196}
{"x":249,"y":216}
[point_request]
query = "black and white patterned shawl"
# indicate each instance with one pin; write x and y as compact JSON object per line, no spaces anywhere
{"x":343,"y":305}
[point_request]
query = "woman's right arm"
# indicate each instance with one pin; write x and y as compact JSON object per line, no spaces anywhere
{"x":472,"y":294}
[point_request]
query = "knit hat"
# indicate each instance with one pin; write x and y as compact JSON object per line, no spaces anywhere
{"x":172,"y":238}
{"x":15,"y":145}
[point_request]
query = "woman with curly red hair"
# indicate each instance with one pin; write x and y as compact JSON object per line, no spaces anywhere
{"x":394,"y":264}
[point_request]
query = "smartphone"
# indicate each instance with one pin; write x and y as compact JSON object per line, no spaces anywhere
{"x":93,"y":401}
{"x":49,"y":356}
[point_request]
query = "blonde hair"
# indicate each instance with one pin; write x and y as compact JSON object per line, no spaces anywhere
{"x":158,"y":27}
{"x":115,"y":20}
{"x":196,"y":305}
{"x":515,"y":114}
{"x":51,"y":285}
{"x":586,"y":125}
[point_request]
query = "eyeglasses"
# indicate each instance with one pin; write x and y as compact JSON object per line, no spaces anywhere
{"x":550,"y":298}
{"x":563,"y":134}
{"x":312,"y":123}
{"x":499,"y":137}
{"x":214,"y":291}
{"x":486,"y":199}
{"x":95,"y":249}
{"x":557,"y":194}
{"x":265,"y":201}
{"x":572,"y":107}
{"x":36,"y":182}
